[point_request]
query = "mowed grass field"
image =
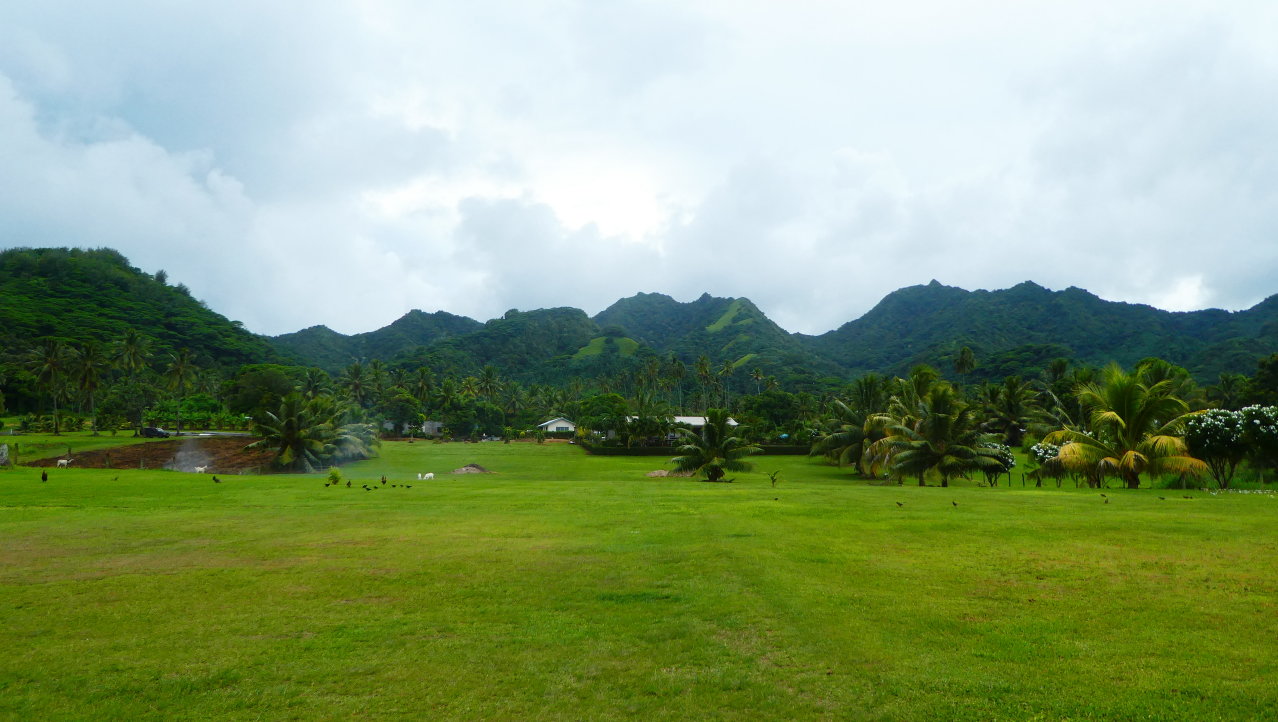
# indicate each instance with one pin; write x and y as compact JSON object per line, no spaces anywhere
{"x":566,"y":586}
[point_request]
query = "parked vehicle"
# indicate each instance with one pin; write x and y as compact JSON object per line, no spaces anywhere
{"x":154,"y":432}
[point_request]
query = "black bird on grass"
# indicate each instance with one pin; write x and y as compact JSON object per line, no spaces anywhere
{"x":955,"y":503}
{"x":348,"y":484}
{"x":1189,"y":497}
{"x":383,"y":480}
{"x":1105,"y":496}
{"x":1106,"y":499}
{"x":899,"y":504}
{"x":44,"y":476}
{"x":216,"y":480}
{"x":1162,"y":498}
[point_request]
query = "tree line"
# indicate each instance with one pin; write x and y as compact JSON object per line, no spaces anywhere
{"x":1097,"y":423}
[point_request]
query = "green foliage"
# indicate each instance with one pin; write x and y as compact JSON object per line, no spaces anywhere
{"x":307,"y":434}
{"x":1217,"y":437}
{"x":716,"y":450}
{"x":83,"y":295}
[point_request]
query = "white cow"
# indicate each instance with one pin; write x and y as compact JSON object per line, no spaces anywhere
{"x":62,"y":463}
{"x":428,"y":476}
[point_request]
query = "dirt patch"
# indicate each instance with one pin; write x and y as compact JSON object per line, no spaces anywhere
{"x":217,"y":454}
{"x":472,"y":469}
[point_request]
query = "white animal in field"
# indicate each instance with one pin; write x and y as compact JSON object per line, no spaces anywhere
{"x":201,"y":469}
{"x":419,"y":476}
{"x":428,"y":476}
{"x":62,"y":463}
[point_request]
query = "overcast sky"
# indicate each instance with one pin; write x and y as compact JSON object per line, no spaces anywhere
{"x":298,"y":163}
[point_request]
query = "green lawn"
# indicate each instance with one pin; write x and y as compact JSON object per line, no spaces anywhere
{"x":572,"y":587}
{"x":30,"y":447}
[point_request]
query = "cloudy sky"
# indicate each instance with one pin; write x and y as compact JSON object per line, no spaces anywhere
{"x":307,"y":162}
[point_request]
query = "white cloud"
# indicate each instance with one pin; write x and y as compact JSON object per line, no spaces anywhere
{"x":300,"y":163}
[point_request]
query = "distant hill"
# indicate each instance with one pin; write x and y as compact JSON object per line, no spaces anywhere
{"x":82,"y":295}
{"x":95,"y":294}
{"x":723,"y":329}
{"x":331,"y":351}
{"x":1031,"y":325}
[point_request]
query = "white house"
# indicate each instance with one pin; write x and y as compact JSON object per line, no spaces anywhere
{"x":558,"y":424}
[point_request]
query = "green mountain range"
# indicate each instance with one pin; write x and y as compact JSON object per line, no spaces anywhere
{"x":95,"y":294}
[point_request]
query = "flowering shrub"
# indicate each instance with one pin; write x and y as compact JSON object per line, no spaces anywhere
{"x":1216,"y":436}
{"x":1260,"y":433}
{"x":1003,"y":454}
{"x":1042,"y":452}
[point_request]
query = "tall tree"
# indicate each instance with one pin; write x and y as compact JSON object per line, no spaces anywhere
{"x":965,"y":362}
{"x":179,"y":376}
{"x":87,"y":365}
{"x":132,"y":354}
{"x":49,"y":362}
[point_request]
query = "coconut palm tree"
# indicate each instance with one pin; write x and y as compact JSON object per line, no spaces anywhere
{"x":944,"y":436}
{"x":965,"y":362}
{"x":179,"y":376}
{"x":715,"y":451}
{"x":131,"y":355}
{"x":1135,"y":428}
{"x":314,"y":382}
{"x":309,"y":434}
{"x":87,"y":365}
{"x":354,"y":381}
{"x":49,"y":361}
{"x":848,"y":439}
{"x":1011,"y":408}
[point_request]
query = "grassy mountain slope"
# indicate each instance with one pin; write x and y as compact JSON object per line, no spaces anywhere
{"x":723,"y":329}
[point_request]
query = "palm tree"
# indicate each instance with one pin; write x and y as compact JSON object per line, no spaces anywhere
{"x":1011,"y":408}
{"x":49,"y":361}
{"x":1229,"y":391}
{"x":965,"y":362}
{"x":180,"y":375}
{"x":86,"y":368}
{"x":131,"y":355}
{"x":675,"y":371}
{"x":945,"y":436}
{"x":1135,"y":428}
{"x":846,"y":443}
{"x":422,"y":384}
{"x":300,"y":439}
{"x":308,"y":434}
{"x":757,"y":375}
{"x":314,"y":382}
{"x":489,"y":383}
{"x":715,"y":451}
{"x":355,"y":383}
{"x":704,"y":374}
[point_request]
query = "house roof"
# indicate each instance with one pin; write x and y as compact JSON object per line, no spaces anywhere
{"x":689,"y":420}
{"x":557,"y":418}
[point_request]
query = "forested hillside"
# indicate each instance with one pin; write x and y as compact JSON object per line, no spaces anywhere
{"x":95,"y":295}
{"x":330,"y":350}
{"x":1021,"y":329}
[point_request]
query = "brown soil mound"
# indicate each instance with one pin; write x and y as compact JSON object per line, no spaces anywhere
{"x":219,"y":454}
{"x":472,"y":469}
